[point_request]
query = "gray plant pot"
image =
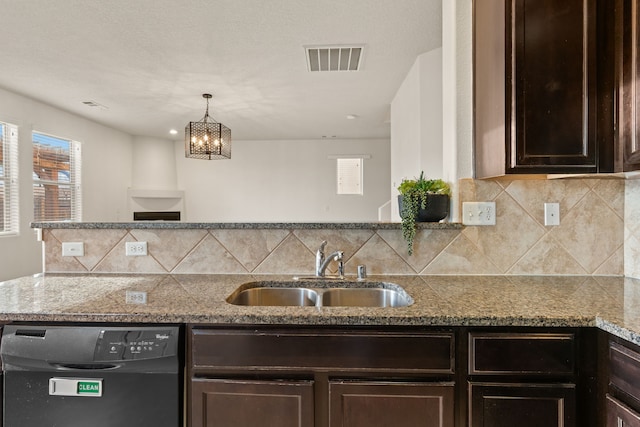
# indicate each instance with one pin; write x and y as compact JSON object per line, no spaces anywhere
{"x":437,"y":208}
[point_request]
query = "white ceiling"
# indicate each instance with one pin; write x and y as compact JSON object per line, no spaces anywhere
{"x":149,"y":62}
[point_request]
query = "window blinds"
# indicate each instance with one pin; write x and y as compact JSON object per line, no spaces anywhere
{"x":9,"y":206}
{"x":57,"y":192}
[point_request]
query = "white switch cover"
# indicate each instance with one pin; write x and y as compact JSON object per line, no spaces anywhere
{"x":72,"y":249}
{"x":552,"y":214}
{"x":479,"y":213}
{"x":135,"y":248}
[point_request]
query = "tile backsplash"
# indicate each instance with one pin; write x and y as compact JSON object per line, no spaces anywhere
{"x":599,"y":234}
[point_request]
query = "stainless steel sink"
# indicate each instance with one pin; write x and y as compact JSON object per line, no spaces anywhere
{"x":274,"y":296}
{"x":320,"y":293}
{"x":364,"y":297}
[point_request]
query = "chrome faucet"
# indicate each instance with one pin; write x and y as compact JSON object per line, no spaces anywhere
{"x":322,"y":262}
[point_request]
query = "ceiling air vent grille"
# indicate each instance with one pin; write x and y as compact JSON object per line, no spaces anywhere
{"x":334,"y":58}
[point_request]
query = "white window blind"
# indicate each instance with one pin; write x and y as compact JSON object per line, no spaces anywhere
{"x":349,"y":175}
{"x":57,"y":194}
{"x":9,"y":206}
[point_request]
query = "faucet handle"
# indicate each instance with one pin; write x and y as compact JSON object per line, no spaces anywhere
{"x":321,"y":248}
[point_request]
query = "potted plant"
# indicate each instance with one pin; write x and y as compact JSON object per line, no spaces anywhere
{"x":421,"y":200}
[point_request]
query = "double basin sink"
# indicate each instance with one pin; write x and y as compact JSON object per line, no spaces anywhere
{"x":320,"y":293}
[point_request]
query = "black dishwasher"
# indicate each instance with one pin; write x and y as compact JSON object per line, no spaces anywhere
{"x":99,"y":376}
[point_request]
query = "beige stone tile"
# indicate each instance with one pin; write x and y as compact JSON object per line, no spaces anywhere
{"x":591,"y":232}
{"x":614,"y":266}
{"x":632,"y":206}
{"x":290,"y":257}
{"x":478,"y":190}
{"x":169,"y":247}
{"x":547,"y":257}
{"x":461,"y":257}
{"x":379,"y":258}
{"x":97,"y":243}
{"x":533,"y":194}
{"x":632,"y":257}
{"x":612,"y":191}
{"x":349,"y":241}
{"x":54,"y":262}
{"x":250,"y":247}
{"x":209,"y":256}
{"x":426,"y":245}
{"x":117,"y":262}
{"x":513,"y":235}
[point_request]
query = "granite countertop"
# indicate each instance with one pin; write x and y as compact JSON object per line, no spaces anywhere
{"x":176,"y":225}
{"x":610,"y":303}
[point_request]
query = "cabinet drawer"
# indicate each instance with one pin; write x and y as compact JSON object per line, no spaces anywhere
{"x":301,"y":351}
{"x":369,"y":403}
{"x":619,"y":414}
{"x":624,"y":365}
{"x":521,"y":354}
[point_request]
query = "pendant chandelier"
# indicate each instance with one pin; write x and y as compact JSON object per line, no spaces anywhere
{"x":207,"y":139}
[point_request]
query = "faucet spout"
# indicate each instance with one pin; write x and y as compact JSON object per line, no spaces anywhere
{"x":324,"y":263}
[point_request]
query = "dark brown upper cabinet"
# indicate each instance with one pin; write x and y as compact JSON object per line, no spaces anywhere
{"x":628,"y":96}
{"x":544,"y":86}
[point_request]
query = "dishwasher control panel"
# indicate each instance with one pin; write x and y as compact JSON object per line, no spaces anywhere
{"x":135,"y":344}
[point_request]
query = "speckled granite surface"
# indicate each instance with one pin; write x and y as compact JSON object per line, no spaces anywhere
{"x":610,"y":303}
{"x":147,"y":225}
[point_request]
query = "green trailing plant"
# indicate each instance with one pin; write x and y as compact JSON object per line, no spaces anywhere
{"x":414,"y":198}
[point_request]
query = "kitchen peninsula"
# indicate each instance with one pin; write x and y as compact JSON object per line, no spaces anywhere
{"x":464,"y":338}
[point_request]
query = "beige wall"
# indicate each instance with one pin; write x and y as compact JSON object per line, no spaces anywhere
{"x":589,"y":241}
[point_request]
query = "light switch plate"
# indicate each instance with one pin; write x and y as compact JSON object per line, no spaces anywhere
{"x":552,"y":214}
{"x":72,"y":249}
{"x":479,"y":213}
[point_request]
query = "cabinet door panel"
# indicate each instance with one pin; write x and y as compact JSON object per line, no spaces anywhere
{"x":619,"y":415}
{"x":522,"y":405}
{"x":236,"y":403}
{"x":628,"y":71}
{"x":553,"y":86}
{"x":379,"y":404}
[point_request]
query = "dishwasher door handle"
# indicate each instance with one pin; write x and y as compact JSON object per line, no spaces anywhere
{"x":85,"y":366}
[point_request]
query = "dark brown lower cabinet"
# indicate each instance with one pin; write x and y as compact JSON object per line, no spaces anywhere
{"x":522,"y":405}
{"x":387,"y":404}
{"x":620,"y":415}
{"x":238,"y":403}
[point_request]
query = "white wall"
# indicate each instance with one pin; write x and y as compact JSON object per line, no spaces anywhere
{"x":416,"y":124}
{"x":282,"y":181}
{"x":106,"y":157}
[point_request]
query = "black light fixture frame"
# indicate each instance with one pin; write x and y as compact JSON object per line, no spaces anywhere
{"x":207,"y":139}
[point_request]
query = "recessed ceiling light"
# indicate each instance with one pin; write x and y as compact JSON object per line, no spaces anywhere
{"x":173,"y":132}
{"x":352,"y":116}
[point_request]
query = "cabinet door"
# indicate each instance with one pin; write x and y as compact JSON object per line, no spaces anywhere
{"x":619,"y":415}
{"x":236,"y":403}
{"x":628,"y":70}
{"x":552,"y":85}
{"x":522,"y":405}
{"x":384,"y":404}
{"x":544,"y":79}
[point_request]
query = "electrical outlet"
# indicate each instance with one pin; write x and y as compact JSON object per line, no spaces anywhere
{"x":136,"y":297}
{"x":72,"y":249}
{"x":479,"y":213}
{"x":552,"y":214}
{"x":135,"y":248}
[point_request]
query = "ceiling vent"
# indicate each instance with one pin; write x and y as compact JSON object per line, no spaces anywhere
{"x":94,"y":104}
{"x":334,"y":58}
